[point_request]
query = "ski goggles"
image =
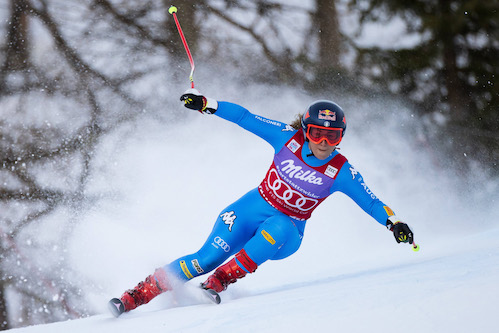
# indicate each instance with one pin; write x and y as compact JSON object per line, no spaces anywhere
{"x":317,"y":134}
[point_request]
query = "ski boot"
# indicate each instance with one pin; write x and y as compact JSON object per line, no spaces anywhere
{"x":145,"y":291}
{"x":230,"y":272}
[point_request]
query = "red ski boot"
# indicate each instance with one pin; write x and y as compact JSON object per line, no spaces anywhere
{"x":230,"y":272}
{"x":145,"y":291}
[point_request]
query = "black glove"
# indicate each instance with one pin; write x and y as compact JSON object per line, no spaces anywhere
{"x":195,"y":101}
{"x":401,"y":231}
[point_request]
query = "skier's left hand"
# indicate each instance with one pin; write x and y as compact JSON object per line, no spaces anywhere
{"x":195,"y":101}
{"x":401,"y":231}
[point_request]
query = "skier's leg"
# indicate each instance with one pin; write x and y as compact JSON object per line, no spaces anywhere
{"x":278,"y":237}
{"x":233,"y":228}
{"x":228,"y":273}
{"x":212,"y":254}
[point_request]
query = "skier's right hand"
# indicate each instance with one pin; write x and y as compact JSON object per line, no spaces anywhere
{"x":401,"y":231}
{"x":195,"y":101}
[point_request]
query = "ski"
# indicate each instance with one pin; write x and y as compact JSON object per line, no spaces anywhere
{"x":212,"y":295}
{"x":116,"y":307}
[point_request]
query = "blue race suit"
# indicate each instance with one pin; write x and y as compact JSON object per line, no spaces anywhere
{"x":269,"y":221}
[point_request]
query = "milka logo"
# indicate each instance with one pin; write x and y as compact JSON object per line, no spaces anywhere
{"x":293,"y":171}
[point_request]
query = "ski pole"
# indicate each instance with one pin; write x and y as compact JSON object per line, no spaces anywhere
{"x":173,"y":10}
{"x":415,"y":247}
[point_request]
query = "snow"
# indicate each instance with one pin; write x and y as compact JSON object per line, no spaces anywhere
{"x":169,"y":182}
{"x":449,"y":286}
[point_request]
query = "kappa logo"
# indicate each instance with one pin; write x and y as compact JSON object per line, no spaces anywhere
{"x":354,"y":172}
{"x":228,"y":218}
{"x":288,"y":128}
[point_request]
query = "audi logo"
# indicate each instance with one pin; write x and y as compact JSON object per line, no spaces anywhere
{"x":220,"y":242}
{"x":292,"y":198}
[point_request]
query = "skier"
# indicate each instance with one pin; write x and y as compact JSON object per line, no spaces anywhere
{"x":268,"y":222}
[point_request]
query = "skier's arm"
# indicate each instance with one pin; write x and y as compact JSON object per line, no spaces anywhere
{"x":350,"y":182}
{"x":274,"y":132}
{"x":268,"y":129}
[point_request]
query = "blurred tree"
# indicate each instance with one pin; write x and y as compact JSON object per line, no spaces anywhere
{"x":292,"y":43}
{"x":330,"y":38}
{"x":29,"y":152}
{"x":449,"y":73}
{"x":257,"y":20}
{"x":329,"y":70}
{"x":17,"y":57}
{"x":67,"y":79}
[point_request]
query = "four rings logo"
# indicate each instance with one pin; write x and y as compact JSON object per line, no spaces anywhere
{"x":291,"y":197}
{"x":220,"y":242}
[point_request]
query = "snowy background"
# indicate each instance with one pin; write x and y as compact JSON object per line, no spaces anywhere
{"x":169,"y":182}
{"x":163,"y":185}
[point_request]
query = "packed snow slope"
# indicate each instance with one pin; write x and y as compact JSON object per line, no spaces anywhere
{"x":165,"y":184}
{"x":450,"y":286}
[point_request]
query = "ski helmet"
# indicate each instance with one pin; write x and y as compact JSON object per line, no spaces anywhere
{"x":324,"y":113}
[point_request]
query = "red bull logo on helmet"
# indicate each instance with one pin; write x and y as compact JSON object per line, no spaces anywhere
{"x":327,"y":115}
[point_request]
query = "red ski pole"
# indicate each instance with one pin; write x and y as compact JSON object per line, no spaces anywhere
{"x":173,"y":10}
